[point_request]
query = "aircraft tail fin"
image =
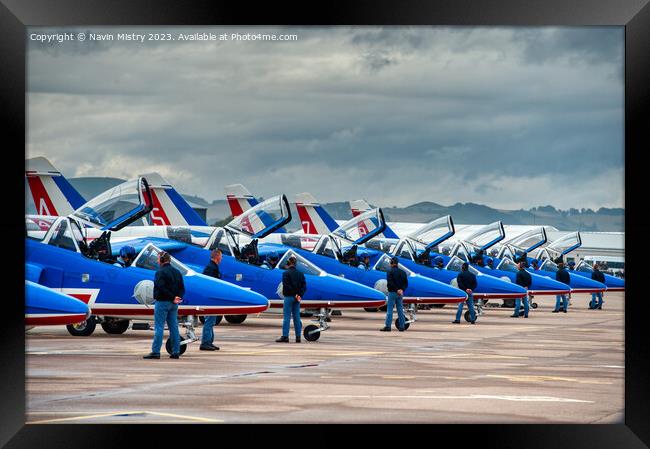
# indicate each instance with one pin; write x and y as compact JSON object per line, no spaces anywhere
{"x":313,"y":217}
{"x":169,"y":207}
{"x":52,"y":194}
{"x":360,"y":206}
{"x":239,"y":199}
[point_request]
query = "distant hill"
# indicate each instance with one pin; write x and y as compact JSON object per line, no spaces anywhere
{"x":603,"y":219}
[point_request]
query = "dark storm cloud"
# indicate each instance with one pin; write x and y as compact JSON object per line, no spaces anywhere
{"x":439,"y":114}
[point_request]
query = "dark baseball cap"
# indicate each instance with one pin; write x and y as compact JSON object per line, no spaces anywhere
{"x":394,"y":260}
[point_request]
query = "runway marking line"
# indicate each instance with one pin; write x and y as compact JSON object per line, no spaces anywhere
{"x":473,"y":396}
{"x":524,"y":378}
{"x":129,"y":413}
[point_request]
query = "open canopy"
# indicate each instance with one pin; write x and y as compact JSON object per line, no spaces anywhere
{"x":362,"y":228}
{"x":564,"y":245}
{"x":117,"y":207}
{"x":434,"y":232}
{"x":263,"y":219}
{"x":487,"y":236}
{"x":528,"y":241}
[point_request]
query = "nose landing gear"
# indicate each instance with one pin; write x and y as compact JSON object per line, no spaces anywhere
{"x":312,"y":332}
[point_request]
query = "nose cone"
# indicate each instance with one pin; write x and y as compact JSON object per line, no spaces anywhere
{"x":546,"y":284}
{"x":501,"y":287}
{"x":211,"y":294}
{"x":334,"y":288}
{"x":422,"y":287}
{"x":46,"y":306}
{"x":614,"y":283}
{"x":581,"y":284}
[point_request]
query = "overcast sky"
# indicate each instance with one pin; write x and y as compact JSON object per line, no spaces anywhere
{"x":507,"y":117}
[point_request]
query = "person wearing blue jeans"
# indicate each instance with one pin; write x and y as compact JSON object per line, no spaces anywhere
{"x":561,"y":303}
{"x":395,"y":299}
{"x":563,"y":276}
{"x":593,"y":304}
{"x":294,"y":287}
{"x":467,"y":282}
{"x":598,"y":276}
{"x":525,"y":280}
{"x":470,"y":307}
{"x":168,"y":291}
{"x":396,"y":283}
{"x":207,"y":334}
{"x":291,"y":308}
{"x":165,"y":312}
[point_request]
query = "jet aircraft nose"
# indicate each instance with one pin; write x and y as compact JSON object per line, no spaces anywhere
{"x":424,"y":287}
{"x":612,"y":282}
{"x":210,"y":293}
{"x":493,"y":286}
{"x":544,"y":283}
{"x":335,"y":288}
{"x":583,"y":284}
{"x":41,"y":300}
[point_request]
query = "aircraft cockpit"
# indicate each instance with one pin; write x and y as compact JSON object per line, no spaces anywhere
{"x":302,"y":264}
{"x":383,"y":264}
{"x":456,"y":264}
{"x":109,"y":211}
{"x":507,"y":264}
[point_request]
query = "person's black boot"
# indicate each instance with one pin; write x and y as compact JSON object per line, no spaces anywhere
{"x":385,"y":329}
{"x":174,"y":356}
{"x":297,"y":339}
{"x":282,"y":339}
{"x":151,"y":355}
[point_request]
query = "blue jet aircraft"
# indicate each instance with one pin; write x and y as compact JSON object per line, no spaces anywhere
{"x":46,"y":307}
{"x":66,"y":262}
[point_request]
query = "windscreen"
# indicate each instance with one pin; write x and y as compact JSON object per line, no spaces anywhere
{"x":584,"y":267}
{"x":383,"y":264}
{"x":435,"y":232}
{"x":113,"y":206}
{"x":487,"y":236}
{"x":264,"y":218}
{"x":362,"y":227}
{"x":529,"y":240}
{"x":456,"y":264}
{"x":218,"y":240}
{"x":549,"y":265}
{"x":508,"y":265}
{"x":302,"y":264}
{"x":148,"y":259}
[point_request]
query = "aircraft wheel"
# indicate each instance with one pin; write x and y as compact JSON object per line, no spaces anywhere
{"x":509,"y":303}
{"x":371,"y":309}
{"x":115,"y":326}
{"x":168,"y":347}
{"x":534,"y":305}
{"x":383,"y":308}
{"x":438,"y":306}
{"x":83,"y":329}
{"x":311,"y":333}
{"x":406,"y":325}
{"x":235,"y":319}
{"x":467,"y":317}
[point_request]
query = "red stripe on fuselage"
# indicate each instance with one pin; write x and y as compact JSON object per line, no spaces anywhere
{"x":41,"y":197}
{"x":54,"y":320}
{"x":83,"y":297}
{"x":102,"y":311}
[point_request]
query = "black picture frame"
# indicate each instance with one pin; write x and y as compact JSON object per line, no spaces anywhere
{"x":15,"y":15}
